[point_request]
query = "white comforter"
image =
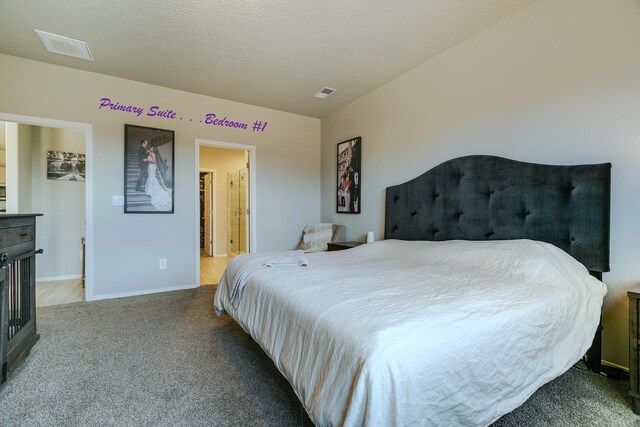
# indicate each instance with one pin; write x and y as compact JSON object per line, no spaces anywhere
{"x":399,"y":333}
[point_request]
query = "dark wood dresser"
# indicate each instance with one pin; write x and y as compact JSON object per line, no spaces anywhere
{"x":634,"y":341}
{"x":339,"y":246}
{"x":17,"y":288}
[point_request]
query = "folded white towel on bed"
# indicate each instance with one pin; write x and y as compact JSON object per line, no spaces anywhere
{"x":240,"y":267}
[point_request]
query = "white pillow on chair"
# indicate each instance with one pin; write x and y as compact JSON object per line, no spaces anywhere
{"x":316,"y":236}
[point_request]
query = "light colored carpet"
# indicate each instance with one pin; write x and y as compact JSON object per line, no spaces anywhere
{"x":166,"y":360}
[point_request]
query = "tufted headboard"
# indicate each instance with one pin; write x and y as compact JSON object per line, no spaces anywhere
{"x":492,"y":198}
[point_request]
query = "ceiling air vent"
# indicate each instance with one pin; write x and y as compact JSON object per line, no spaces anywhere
{"x":64,"y":45}
{"x":324,"y":93}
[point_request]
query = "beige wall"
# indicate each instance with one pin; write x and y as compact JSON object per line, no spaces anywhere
{"x":12,"y":171}
{"x":62,"y":204}
{"x":126,"y":248}
{"x":223,"y":161}
{"x":3,"y":153}
{"x":3,"y":169}
{"x":25,"y":136}
{"x":558,"y":82}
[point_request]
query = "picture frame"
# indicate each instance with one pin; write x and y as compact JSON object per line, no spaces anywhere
{"x":149,"y":170}
{"x":64,"y":166}
{"x":349,"y":176}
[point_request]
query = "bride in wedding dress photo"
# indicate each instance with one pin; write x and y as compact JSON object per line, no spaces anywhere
{"x":161,"y":198}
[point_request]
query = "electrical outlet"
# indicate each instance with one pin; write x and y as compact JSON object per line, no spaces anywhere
{"x":163,"y":263}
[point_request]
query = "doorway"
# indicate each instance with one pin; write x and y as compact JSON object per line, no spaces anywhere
{"x":208,"y":196}
{"x":48,"y":170}
{"x":226,"y":226}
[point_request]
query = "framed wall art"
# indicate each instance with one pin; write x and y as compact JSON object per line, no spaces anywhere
{"x":148,"y":170}
{"x":349,"y":183}
{"x":63,"y":166}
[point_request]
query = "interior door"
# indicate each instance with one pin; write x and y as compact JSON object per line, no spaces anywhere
{"x":208,"y":213}
{"x":247,"y":205}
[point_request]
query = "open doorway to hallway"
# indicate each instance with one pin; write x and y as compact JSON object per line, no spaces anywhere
{"x":46,"y":173}
{"x":224,"y":213}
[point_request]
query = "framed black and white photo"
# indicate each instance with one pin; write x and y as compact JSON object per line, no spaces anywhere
{"x":349,"y":184}
{"x":148,"y":170}
{"x":62,"y":166}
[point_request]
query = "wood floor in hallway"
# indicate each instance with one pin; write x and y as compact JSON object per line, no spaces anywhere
{"x":59,"y":292}
{"x":211,"y":269}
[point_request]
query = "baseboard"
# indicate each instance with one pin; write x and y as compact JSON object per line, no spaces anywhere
{"x":613,"y":365}
{"x":53,"y":278}
{"x":610,"y":370}
{"x":142,"y":292}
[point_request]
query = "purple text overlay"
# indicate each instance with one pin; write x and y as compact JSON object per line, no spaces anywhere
{"x":209,"y":119}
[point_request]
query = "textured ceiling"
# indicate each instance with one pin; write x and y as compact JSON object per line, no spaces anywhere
{"x":271,"y":53}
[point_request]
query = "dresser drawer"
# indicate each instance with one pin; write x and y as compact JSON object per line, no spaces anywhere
{"x":11,"y":221}
{"x":19,"y":250}
{"x":17,"y":235}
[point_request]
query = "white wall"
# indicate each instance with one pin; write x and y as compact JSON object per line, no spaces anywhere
{"x":558,"y":83}
{"x":223,"y":161}
{"x":62,"y":204}
{"x":125,"y":252}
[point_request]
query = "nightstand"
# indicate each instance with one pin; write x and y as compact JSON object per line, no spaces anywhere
{"x":634,"y":339}
{"x":339,"y":246}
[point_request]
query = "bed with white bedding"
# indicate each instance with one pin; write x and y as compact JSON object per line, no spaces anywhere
{"x":421,"y":333}
{"x":461,"y":320}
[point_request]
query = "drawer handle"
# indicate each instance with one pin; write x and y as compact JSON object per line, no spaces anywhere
{"x":23,"y":234}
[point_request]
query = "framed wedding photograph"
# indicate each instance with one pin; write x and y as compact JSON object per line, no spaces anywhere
{"x":63,"y":166}
{"x":349,"y":183}
{"x":148,"y":170}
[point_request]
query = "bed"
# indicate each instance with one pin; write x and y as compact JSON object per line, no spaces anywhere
{"x":479,"y":294}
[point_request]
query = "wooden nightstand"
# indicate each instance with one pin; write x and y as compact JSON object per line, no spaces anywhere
{"x":634,"y":340}
{"x":339,"y":246}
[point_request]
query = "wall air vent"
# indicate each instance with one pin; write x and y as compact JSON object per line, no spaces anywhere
{"x":64,"y":45}
{"x":322,"y":94}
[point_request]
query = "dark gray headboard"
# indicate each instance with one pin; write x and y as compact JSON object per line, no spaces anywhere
{"x":492,"y":198}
